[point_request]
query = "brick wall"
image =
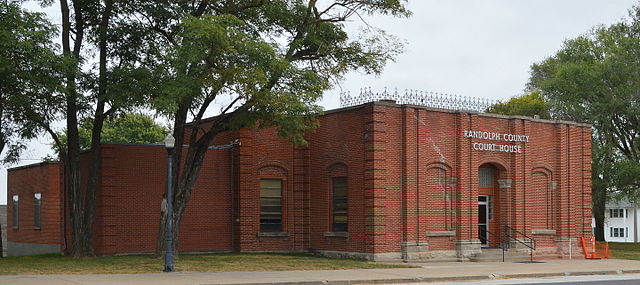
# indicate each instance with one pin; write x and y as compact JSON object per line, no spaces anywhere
{"x":132,"y":185}
{"x":412,"y":176}
{"x":332,"y":149}
{"x":25,"y":181}
{"x":411,"y":169}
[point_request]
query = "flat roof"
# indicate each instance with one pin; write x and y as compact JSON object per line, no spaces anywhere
{"x":32,"y":165}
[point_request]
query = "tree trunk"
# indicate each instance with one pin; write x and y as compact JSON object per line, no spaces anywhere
{"x":161,"y":241}
{"x":96,"y":133}
{"x":187,"y":178}
{"x":71,"y":156}
{"x":178,"y":133}
{"x":192,"y":166}
{"x":599,"y":197}
{"x":72,"y":186}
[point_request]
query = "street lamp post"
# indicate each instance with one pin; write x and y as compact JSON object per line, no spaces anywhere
{"x":169,"y":143}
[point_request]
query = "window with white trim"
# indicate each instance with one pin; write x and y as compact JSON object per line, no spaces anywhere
{"x":616,"y":213}
{"x":618,"y":232}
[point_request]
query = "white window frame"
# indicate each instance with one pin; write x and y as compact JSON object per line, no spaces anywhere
{"x":617,"y":213}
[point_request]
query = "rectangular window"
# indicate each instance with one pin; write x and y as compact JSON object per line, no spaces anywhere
{"x":616,"y":213}
{"x":37,"y":202}
{"x":619,"y":232}
{"x":270,"y":205}
{"x":339,"y":204}
{"x":16,"y":206}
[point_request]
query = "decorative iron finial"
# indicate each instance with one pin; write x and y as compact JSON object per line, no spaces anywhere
{"x":418,"y":97}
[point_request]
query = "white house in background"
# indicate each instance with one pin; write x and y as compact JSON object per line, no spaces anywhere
{"x":621,"y":221}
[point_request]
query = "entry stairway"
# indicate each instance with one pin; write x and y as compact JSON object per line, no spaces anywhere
{"x":515,"y":246}
{"x":495,"y":255}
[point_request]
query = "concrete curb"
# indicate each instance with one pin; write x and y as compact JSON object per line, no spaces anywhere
{"x":441,"y":279}
{"x":369,"y":281}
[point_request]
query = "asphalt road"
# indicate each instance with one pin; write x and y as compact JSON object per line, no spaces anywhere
{"x":625,"y":279}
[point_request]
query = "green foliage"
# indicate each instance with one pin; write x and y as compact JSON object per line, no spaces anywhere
{"x":133,"y":128}
{"x":125,"y":128}
{"x":263,"y":63}
{"x":267,"y":63}
{"x":29,"y":76}
{"x":525,"y":105}
{"x":595,"y":78}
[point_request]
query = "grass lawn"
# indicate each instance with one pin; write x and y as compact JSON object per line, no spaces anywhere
{"x":625,"y":250}
{"x":56,"y":264}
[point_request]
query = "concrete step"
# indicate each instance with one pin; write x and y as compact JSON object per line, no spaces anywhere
{"x":493,"y":254}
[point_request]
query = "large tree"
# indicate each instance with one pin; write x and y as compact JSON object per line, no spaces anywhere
{"x":92,"y":90}
{"x":595,"y":78}
{"x":29,"y":75}
{"x":92,"y":81}
{"x":262,"y":63}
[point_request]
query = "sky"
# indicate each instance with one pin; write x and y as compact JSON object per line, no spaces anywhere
{"x":464,"y":47}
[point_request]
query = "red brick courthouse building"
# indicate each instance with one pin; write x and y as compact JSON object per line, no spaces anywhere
{"x":377,"y":180}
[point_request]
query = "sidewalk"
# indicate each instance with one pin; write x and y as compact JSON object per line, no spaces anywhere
{"x":428,"y":272}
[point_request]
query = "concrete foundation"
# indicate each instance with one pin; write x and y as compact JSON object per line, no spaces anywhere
{"x":20,"y":248}
{"x":466,"y":249}
{"x":569,"y":248}
{"x":415,"y":250}
{"x":359,"y":255}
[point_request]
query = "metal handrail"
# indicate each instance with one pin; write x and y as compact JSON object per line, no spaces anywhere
{"x":533,"y":241}
{"x":531,"y":246}
{"x":502,"y":241}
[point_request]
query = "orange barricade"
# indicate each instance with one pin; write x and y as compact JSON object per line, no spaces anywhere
{"x":593,"y":249}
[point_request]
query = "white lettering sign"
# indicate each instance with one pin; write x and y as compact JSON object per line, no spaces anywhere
{"x":496,"y":137}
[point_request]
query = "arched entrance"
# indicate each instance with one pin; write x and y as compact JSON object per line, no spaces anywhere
{"x":488,"y":205}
